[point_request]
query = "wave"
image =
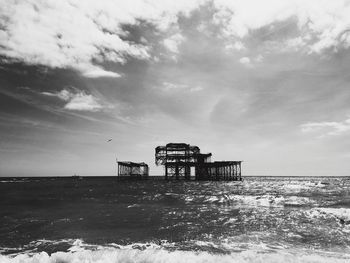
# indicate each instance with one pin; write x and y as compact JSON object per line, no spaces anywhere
{"x":160,"y":255}
{"x":163,"y":251}
{"x":343,"y":214}
{"x":260,"y":200}
{"x":302,"y":186}
{"x":13,"y":181}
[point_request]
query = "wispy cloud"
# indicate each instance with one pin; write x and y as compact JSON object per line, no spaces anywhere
{"x":172,"y":87}
{"x":96,"y":72}
{"x":327,"y":128}
{"x":79,"y":101}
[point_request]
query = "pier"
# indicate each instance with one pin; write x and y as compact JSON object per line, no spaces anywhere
{"x":131,"y":170}
{"x":180,"y":158}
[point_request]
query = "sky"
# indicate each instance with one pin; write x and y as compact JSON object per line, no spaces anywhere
{"x":265,"y":82}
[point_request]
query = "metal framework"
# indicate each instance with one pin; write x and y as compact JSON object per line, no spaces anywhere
{"x":178,"y":158}
{"x":132,"y":170}
{"x":223,"y":170}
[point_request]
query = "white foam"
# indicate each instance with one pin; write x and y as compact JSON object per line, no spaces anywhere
{"x":263,"y":200}
{"x":298,"y":186}
{"x":340,"y":213}
{"x":152,"y":255}
{"x":134,"y":205}
{"x":231,"y":221}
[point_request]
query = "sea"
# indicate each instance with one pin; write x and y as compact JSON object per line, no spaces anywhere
{"x":103,"y":219}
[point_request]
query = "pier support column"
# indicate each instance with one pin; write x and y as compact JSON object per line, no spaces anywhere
{"x":166,"y":172}
{"x":240,"y":174}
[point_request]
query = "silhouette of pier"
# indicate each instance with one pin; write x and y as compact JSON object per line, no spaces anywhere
{"x":179,"y":158}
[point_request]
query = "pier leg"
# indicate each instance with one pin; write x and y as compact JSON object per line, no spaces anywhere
{"x":235,"y":172}
{"x":240,"y":174}
{"x":166,"y":172}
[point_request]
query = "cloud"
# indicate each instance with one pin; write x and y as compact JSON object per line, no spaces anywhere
{"x":251,"y":62}
{"x":172,"y":87}
{"x":63,"y":94}
{"x":167,"y":86}
{"x":172,"y":43}
{"x":98,"y":73}
{"x":83,"y":102}
{"x":327,"y":128}
{"x":245,"y":61}
{"x":196,"y":89}
{"x":238,"y":45}
{"x":79,"y":101}
{"x":322,"y":24}
{"x":80,"y":34}
{"x":87,"y":35}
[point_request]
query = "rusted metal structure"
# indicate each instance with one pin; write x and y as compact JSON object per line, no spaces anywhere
{"x":178,"y":158}
{"x":133,"y":170}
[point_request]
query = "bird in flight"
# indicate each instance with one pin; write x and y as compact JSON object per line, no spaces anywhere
{"x":109,"y":140}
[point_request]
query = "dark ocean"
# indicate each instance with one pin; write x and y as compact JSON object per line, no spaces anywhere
{"x":101,"y":219}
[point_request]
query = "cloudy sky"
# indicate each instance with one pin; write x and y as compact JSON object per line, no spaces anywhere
{"x":266,"y":82}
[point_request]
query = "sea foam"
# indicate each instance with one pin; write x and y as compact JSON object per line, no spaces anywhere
{"x":161,"y":256}
{"x":340,"y":213}
{"x":261,"y":200}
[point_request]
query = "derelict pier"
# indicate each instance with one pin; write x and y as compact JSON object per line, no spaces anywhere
{"x":180,"y":158}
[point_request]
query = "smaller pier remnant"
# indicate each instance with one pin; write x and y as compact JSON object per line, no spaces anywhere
{"x":133,"y":170}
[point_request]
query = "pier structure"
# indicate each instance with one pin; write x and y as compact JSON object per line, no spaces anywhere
{"x":224,"y":170}
{"x":179,"y":158}
{"x":133,"y":170}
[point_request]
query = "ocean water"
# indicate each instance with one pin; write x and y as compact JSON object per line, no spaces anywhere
{"x":262,"y":219}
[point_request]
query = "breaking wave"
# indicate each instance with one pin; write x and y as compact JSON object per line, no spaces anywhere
{"x":342,"y":214}
{"x":260,"y":200}
{"x":161,"y":256}
{"x":153,"y":253}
